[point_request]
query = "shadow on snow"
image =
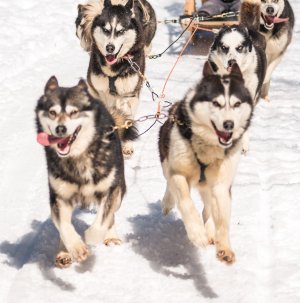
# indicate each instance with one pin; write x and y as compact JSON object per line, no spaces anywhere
{"x":164,"y":243}
{"x":40,"y":246}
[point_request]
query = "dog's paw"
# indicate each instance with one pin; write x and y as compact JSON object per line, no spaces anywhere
{"x":166,"y":206}
{"x":226,"y":255}
{"x":78,"y":251}
{"x":63,"y":260}
{"x":112,"y":241}
{"x":127,"y":150}
{"x":267,"y":98}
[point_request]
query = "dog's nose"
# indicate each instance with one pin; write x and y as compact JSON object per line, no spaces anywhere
{"x":61,"y":130}
{"x":228,"y":125}
{"x":231,"y":62}
{"x":110,"y":48}
{"x":270,"y":10}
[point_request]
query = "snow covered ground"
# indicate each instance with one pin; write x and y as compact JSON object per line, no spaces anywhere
{"x":156,"y":263}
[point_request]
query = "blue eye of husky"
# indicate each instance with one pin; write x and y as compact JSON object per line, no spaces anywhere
{"x":240,"y":48}
{"x":105,"y":30}
{"x":224,"y":48}
{"x":121,"y":32}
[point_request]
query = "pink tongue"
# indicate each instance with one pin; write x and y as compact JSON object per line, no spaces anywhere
{"x":271,"y":19}
{"x":46,"y":140}
{"x":280,"y":20}
{"x":110,"y":59}
{"x":225,"y":136}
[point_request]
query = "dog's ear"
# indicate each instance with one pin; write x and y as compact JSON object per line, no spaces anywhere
{"x":207,"y":69}
{"x":235,"y":71}
{"x":129,"y":6}
{"x":51,"y":85}
{"x":107,"y":3}
{"x":82,"y":85}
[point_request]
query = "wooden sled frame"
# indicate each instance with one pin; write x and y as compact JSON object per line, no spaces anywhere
{"x":190,"y":9}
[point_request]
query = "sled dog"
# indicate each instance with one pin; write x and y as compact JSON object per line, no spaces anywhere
{"x":276,"y":24}
{"x":116,"y":34}
{"x":200,"y":146}
{"x":85,"y":165}
{"x":244,"y":45}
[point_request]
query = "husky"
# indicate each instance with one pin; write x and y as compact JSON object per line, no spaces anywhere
{"x":276,"y":24}
{"x":244,"y":45}
{"x":85,"y":165}
{"x":116,"y":35}
{"x":199,"y":147}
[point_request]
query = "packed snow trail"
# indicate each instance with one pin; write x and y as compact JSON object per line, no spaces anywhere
{"x":156,"y":262}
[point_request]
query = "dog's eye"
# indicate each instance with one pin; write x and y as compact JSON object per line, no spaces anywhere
{"x":237,"y":104}
{"x":74,"y":113}
{"x":216,"y":104}
{"x":105,"y":30}
{"x":224,"y":48}
{"x":275,"y":1}
{"x":121,"y":32}
{"x":240,"y":49}
{"x":52,"y":114}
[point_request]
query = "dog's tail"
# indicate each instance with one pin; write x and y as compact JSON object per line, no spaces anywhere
{"x":250,"y":14}
{"x":126,"y":128}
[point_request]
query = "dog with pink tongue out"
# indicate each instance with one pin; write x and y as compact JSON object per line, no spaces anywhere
{"x":118,"y":35}
{"x":85,"y":164}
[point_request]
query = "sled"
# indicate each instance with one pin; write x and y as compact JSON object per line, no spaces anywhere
{"x":204,"y":35}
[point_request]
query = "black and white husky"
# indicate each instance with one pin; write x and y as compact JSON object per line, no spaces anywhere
{"x":244,"y":45}
{"x":276,"y":24}
{"x":85,"y":165}
{"x":116,"y":34}
{"x":200,"y":147}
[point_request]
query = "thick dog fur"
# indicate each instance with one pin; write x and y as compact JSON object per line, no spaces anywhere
{"x":244,"y":45}
{"x":278,"y":35}
{"x":110,"y":32}
{"x":86,"y":167}
{"x":200,"y":146}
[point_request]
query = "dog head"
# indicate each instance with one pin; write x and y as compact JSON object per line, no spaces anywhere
{"x":220,"y":107}
{"x":65,"y":119}
{"x":271,"y":10}
{"x":114,"y":31}
{"x":231,"y":45}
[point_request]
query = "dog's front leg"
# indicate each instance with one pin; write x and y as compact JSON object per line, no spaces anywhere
{"x":221,"y":209}
{"x":129,"y":106}
{"x":207,"y":216}
{"x":103,"y":228}
{"x":73,"y":248}
{"x":190,"y":216}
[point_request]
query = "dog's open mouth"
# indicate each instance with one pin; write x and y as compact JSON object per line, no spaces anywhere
{"x":225,"y":138}
{"x":271,"y":20}
{"x":111,"y":59}
{"x":63,"y":143}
